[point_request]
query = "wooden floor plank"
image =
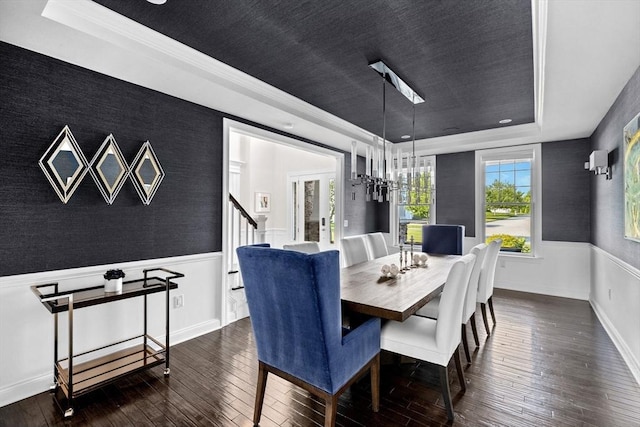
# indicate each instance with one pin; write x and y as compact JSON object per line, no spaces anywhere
{"x":547,"y":362}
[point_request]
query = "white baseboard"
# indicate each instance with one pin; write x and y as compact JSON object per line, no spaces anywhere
{"x":194,"y":331}
{"x":618,"y":341}
{"x":554,"y":291}
{"x":15,"y":392}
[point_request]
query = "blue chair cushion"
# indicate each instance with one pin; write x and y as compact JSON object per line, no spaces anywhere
{"x":442,"y":239}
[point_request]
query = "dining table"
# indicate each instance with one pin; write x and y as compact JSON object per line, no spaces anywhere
{"x":366,"y":291}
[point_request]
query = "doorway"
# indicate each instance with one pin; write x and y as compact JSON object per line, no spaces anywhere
{"x":312,"y":208}
{"x":258,"y":161}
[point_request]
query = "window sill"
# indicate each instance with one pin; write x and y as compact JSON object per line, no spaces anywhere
{"x":519,"y":256}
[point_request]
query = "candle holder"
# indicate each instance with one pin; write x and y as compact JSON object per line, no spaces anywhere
{"x":412,"y":263}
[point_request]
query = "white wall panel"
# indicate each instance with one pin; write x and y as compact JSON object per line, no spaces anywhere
{"x":26,"y":331}
{"x":615,"y":297}
{"x":562,"y":270}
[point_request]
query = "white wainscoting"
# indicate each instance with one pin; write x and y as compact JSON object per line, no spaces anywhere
{"x":277,"y":237}
{"x":26,"y":327}
{"x":561,"y":269}
{"x":615,"y":297}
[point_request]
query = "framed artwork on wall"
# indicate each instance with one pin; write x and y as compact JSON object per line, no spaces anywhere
{"x":631,"y":150}
{"x":262,"y":202}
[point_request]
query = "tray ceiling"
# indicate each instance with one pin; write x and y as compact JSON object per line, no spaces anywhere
{"x":471,"y":61}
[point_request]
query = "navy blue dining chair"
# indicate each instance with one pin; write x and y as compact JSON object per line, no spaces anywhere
{"x":442,"y":239}
{"x":295,"y":311}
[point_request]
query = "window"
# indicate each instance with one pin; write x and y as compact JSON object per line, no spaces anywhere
{"x":508,"y":195}
{"x":415,"y":201}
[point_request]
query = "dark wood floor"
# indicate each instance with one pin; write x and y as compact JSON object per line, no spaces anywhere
{"x":548,"y":362}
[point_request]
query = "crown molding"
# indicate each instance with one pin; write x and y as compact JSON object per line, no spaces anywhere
{"x":100,"y":22}
{"x":539,"y":32}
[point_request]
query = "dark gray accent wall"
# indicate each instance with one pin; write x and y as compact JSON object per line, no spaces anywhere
{"x":607,"y":196}
{"x":566,"y":191}
{"x":455,"y":190}
{"x":38,"y":97}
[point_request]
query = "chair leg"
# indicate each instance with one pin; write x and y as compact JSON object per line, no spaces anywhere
{"x":493,"y":315}
{"x":375,"y":384}
{"x":262,"y":384}
{"x":446,"y":394}
{"x":483,"y":308}
{"x":456,"y":356}
{"x":475,"y":329}
{"x":330,"y":412}
{"x":465,"y":344}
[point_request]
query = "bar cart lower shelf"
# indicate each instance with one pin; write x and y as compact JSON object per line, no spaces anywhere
{"x":98,"y":367}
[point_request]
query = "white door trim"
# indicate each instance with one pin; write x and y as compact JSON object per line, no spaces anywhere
{"x":229,"y":126}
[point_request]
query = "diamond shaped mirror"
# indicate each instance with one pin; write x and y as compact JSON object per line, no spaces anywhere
{"x":64,"y":164}
{"x":146,"y":173}
{"x":109,"y":169}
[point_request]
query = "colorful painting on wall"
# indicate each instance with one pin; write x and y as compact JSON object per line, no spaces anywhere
{"x":631,"y":145}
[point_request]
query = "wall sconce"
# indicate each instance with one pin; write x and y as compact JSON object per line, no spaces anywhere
{"x":599,"y":163}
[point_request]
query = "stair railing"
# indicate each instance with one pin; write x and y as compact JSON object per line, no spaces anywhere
{"x":239,"y":219}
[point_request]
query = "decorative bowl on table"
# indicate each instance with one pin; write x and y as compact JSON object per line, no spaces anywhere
{"x":420,"y":260}
{"x":390,"y":270}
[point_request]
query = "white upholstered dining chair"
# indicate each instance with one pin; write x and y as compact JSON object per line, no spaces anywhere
{"x":377,"y":245}
{"x":485,"y":284}
{"x":305,"y":247}
{"x":431,"y":309}
{"x":354,"y":250}
{"x":435,"y":341}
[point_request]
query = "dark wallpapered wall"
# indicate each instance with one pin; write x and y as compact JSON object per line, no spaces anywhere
{"x":38,"y":233}
{"x":38,"y":97}
{"x":607,"y":196}
{"x":565,"y":191}
{"x":455,"y":190}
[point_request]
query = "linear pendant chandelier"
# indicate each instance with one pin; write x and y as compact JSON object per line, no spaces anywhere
{"x":384,"y":173}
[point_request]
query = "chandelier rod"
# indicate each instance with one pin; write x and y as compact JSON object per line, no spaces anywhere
{"x":413,"y":144}
{"x":384,"y":126}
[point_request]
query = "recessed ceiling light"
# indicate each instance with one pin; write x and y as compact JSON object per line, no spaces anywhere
{"x":288,"y":125}
{"x":157,"y":1}
{"x":505,"y":121}
{"x":405,"y":136}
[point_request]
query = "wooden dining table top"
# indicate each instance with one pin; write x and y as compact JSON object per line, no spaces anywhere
{"x":363,"y":290}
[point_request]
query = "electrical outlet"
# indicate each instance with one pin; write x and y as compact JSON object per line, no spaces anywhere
{"x":346,"y":222}
{"x":178,"y":301}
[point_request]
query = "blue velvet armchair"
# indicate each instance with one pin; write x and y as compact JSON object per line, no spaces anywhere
{"x":442,"y":239}
{"x":294,"y":304}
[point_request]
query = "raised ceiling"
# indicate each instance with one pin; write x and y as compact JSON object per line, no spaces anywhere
{"x":472,"y":61}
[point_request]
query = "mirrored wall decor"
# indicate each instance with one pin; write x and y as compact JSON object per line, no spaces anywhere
{"x":64,"y":164}
{"x":109,"y":169}
{"x":146,"y":173}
